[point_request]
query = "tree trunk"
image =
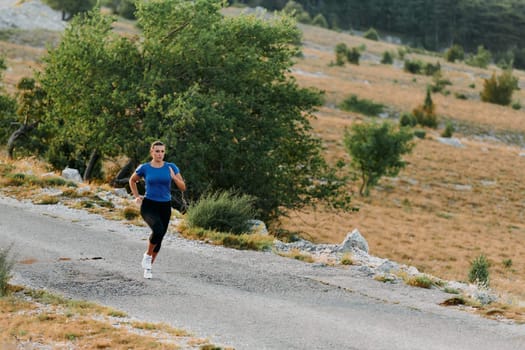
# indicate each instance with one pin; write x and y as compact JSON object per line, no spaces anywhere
{"x":23,"y":130}
{"x":124,"y":174}
{"x":93,"y":159}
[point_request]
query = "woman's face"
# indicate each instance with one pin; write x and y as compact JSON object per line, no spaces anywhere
{"x":157,"y":153}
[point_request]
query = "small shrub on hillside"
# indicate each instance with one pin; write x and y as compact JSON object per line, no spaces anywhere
{"x":499,"y":89}
{"x":341,"y":51}
{"x":347,"y":259}
{"x":479,"y":271}
{"x":449,"y":130}
{"x":420,"y":281}
{"x":420,"y":134}
{"x":460,"y":96}
{"x":455,"y":53}
{"x":222,"y":211}
{"x":6,"y":266}
{"x":432,"y":69}
{"x":414,"y":67}
{"x":364,"y":106}
{"x":387,"y":58}
{"x":371,"y":34}
{"x":516,"y":105}
{"x":353,"y":55}
{"x":439,"y":83}
{"x":481,"y":59}
{"x":507,"y":263}
{"x":425,"y":114}
{"x":320,"y":21}
{"x":407,"y":119}
{"x":130,"y":213}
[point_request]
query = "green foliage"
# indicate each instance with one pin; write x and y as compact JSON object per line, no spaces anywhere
{"x":449,"y":130}
{"x":223,"y":212}
{"x":320,"y":21}
{"x":70,"y":8}
{"x":439,"y":83}
{"x":376,"y":151}
{"x":6,"y":267}
{"x":516,"y":105}
{"x":420,"y":134}
{"x":7,"y":109}
{"x":124,"y":8}
{"x":425,"y":114}
{"x":387,"y":58}
{"x":481,"y":59}
{"x":353,"y":55}
{"x":421,"y":281}
{"x":455,"y":53}
{"x":499,"y":89}
{"x":479,"y":271}
{"x":371,"y":34}
{"x":363,"y":106}
{"x":341,"y":52}
{"x":413,"y":66}
{"x":407,"y":119}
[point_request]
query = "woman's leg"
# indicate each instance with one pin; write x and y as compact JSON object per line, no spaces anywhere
{"x":165,"y":215}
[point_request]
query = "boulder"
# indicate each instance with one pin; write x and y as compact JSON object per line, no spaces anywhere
{"x":71,"y":174}
{"x":354,"y":240}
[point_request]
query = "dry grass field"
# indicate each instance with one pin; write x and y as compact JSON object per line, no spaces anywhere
{"x":450,"y":204}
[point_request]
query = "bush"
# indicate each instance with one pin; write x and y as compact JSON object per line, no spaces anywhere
{"x":499,"y":89}
{"x":420,"y":134}
{"x":222,"y":211}
{"x":516,"y":105}
{"x":353,"y":55}
{"x":449,"y":130}
{"x":425,"y":114}
{"x":407,"y":119}
{"x":479,"y":271}
{"x":341,"y":51}
{"x":366,"y":107}
{"x":6,"y":266}
{"x":320,"y":21}
{"x":414,"y":67}
{"x":455,"y":53}
{"x":371,"y":34}
{"x":387,"y":58}
{"x":481,"y":59}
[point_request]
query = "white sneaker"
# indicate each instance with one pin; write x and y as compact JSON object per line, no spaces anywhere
{"x":146,"y":261}
{"x":148,"y":274}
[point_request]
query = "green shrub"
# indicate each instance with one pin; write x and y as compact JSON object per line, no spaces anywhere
{"x":371,"y":34}
{"x":130,"y":213}
{"x":449,"y":130}
{"x":341,"y":51}
{"x":420,"y":134}
{"x":425,"y":114}
{"x":516,"y":105}
{"x":481,"y":59}
{"x":407,"y":119}
{"x":222,"y":211}
{"x":479,"y":271}
{"x":387,"y":58}
{"x":455,"y":53}
{"x":366,"y":107}
{"x":353,"y":55}
{"x":420,"y":281}
{"x":320,"y":21}
{"x":432,"y":69}
{"x":6,"y":266}
{"x":414,"y":67}
{"x":499,"y":89}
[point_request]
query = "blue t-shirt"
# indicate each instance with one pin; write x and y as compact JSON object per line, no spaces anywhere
{"x":158,"y":180}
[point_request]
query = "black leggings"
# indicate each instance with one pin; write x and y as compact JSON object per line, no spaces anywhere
{"x":157,"y":216}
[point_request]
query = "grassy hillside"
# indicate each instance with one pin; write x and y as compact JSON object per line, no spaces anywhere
{"x":450,"y":204}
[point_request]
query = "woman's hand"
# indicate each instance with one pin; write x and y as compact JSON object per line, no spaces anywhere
{"x":138,"y":200}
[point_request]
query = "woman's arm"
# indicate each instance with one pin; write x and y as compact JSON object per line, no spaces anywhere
{"x":179,"y":181}
{"x":133,"y":186}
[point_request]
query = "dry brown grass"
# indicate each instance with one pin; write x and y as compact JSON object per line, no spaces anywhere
{"x":450,"y":204}
{"x":30,"y":319}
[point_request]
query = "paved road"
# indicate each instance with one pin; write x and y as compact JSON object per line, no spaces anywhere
{"x":248,"y":300}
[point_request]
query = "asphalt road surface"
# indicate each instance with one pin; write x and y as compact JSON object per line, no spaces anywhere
{"x":242,"y":299}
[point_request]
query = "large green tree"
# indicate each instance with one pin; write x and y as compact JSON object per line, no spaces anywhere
{"x":214,"y":88}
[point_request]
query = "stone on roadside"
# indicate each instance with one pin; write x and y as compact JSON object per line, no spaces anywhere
{"x":71,"y":174}
{"x":353,"y":240}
